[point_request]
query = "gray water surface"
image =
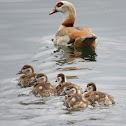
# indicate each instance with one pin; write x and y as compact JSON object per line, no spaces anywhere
{"x":26,"y":31}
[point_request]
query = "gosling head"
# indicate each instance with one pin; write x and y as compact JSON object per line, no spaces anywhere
{"x":61,"y":78}
{"x":91,"y":87}
{"x":41,"y":78}
{"x":26,"y":69}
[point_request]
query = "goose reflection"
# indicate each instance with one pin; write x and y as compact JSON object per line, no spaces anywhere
{"x":66,"y":54}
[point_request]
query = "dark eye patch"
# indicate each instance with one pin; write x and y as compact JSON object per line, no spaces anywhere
{"x":35,"y":85}
{"x":39,"y":75}
{"x":26,"y":67}
{"x":69,"y":96}
{"x":67,"y":89}
{"x":59,"y":4}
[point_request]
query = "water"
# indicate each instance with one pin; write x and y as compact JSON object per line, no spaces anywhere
{"x":26,"y":30}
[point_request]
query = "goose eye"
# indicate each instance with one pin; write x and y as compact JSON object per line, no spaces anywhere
{"x":59,"y":4}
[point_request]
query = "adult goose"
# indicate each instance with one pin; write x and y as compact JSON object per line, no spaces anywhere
{"x":67,"y":33}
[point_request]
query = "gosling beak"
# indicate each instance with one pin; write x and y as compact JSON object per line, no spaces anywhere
{"x":53,"y":11}
{"x":62,"y":93}
{"x":56,"y":80}
{"x":33,"y":81}
{"x":85,"y":91}
{"x":20,"y":72}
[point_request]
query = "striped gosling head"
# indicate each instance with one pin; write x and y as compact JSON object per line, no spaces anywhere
{"x":61,"y":78}
{"x":26,"y":69}
{"x":91,"y":87}
{"x":41,"y":78}
{"x":71,"y":89}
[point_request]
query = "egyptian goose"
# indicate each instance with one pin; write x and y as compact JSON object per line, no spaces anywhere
{"x":65,"y":88}
{"x":97,"y":97}
{"x":29,"y":75}
{"x":75,"y":101}
{"x":67,"y":33}
{"x":43,"y":87}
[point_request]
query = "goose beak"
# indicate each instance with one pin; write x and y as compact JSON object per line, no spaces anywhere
{"x":53,"y":11}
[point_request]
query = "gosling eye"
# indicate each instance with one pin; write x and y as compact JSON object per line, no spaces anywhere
{"x":24,"y":68}
{"x":69,"y":96}
{"x":67,"y":89}
{"x":35,"y":85}
{"x":60,"y":85}
{"x":39,"y":76}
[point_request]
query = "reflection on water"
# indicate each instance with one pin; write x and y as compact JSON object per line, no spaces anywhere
{"x":68,"y":56}
{"x":30,"y":103}
{"x":71,"y":68}
{"x":88,"y":53}
{"x":72,"y":77}
{"x":71,"y":122}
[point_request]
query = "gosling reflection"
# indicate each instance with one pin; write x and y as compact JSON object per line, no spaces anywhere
{"x":68,"y":56}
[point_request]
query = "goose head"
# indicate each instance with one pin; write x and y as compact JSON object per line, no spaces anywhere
{"x":69,"y":12}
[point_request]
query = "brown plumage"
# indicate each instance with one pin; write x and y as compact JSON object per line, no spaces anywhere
{"x":97,"y":97}
{"x":43,"y":89}
{"x":29,"y":75}
{"x":42,"y":86}
{"x":67,"y":33}
{"x":75,"y":101}
{"x":65,"y":88}
{"x":25,"y":80}
{"x":68,"y":88}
